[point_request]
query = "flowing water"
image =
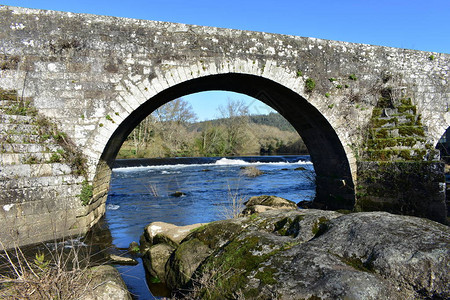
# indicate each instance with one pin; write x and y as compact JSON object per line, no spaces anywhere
{"x":140,"y":195}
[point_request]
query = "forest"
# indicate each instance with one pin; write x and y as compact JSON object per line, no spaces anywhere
{"x":173,"y":131}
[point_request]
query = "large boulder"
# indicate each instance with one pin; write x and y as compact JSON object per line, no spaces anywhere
{"x":272,"y":201}
{"x":183,"y":262}
{"x":196,"y":247}
{"x":305,"y":254}
{"x":155,"y":260}
{"x":158,"y":243}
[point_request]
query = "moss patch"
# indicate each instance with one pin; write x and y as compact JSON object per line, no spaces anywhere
{"x":266,"y":275}
{"x":236,"y":260}
{"x":358,"y":264}
{"x":231,"y":267}
{"x":392,"y":128}
{"x":320,"y":226}
{"x":288,"y":226}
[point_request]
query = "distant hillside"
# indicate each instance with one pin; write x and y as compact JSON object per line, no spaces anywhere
{"x":172,"y":137}
{"x":273,"y":119}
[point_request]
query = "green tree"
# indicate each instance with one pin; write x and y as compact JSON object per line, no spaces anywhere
{"x":212,"y":141}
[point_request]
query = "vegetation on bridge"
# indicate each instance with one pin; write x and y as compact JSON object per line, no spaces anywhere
{"x":397,"y":168}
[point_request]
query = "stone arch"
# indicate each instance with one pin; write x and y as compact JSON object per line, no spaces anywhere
{"x":335,"y":188}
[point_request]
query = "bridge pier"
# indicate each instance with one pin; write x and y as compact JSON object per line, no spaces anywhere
{"x":399,"y":171}
{"x":333,"y":193}
{"x":414,"y":188}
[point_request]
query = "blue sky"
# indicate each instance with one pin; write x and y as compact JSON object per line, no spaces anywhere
{"x":413,"y":24}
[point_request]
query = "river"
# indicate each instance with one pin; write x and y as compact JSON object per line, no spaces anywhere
{"x":142,"y":192}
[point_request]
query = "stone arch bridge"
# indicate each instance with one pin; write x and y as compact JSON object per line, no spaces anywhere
{"x":73,"y":86}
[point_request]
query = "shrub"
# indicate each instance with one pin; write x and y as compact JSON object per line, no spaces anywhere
{"x":55,"y":158}
{"x":86,"y":193}
{"x":235,"y":205}
{"x":251,"y":171}
{"x":59,"y":274}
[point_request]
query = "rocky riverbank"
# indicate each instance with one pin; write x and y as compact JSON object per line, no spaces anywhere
{"x":306,"y":254}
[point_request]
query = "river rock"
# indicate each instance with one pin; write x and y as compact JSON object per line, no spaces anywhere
{"x":178,"y":194}
{"x":155,"y":260}
{"x":258,"y":204}
{"x":272,"y":201}
{"x":184,"y":261}
{"x":251,"y":171}
{"x":196,"y":247}
{"x":159,"y":242}
{"x":300,"y":169}
{"x":122,"y":260}
{"x":256,"y":209}
{"x":134,"y":247}
{"x":161,"y":232}
{"x":306,"y":254}
{"x":106,"y":284}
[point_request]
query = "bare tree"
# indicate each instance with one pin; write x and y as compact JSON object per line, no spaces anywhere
{"x":178,"y":111}
{"x":164,"y":129}
{"x":235,"y":116}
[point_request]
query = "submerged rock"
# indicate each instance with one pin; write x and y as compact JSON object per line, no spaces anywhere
{"x":178,"y":194}
{"x":122,"y":260}
{"x":300,"y":169}
{"x":306,"y":254}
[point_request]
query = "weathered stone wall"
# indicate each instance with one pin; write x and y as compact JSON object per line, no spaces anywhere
{"x":41,"y":176}
{"x":97,"y":77}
